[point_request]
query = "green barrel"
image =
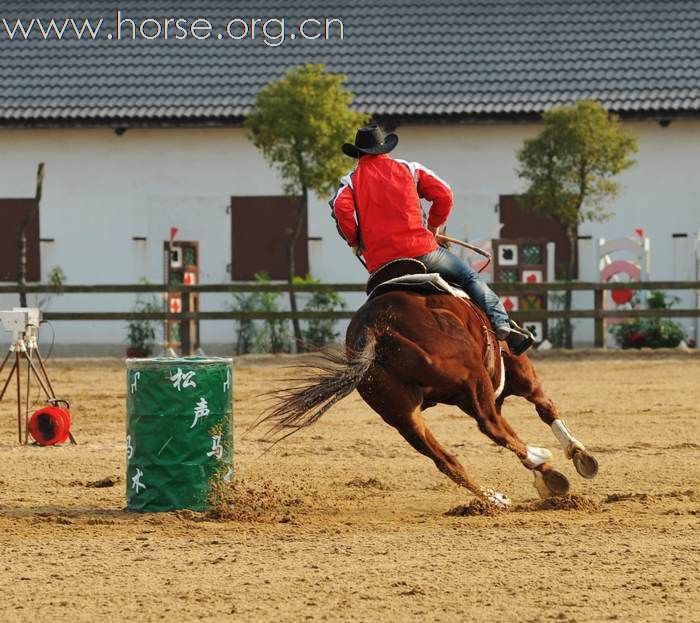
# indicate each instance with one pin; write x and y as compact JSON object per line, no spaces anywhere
{"x":179,"y":441}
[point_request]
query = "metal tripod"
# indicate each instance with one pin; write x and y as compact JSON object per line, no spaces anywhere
{"x":27,"y":348}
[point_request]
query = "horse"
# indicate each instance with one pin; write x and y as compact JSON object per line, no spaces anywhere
{"x":408,"y":349}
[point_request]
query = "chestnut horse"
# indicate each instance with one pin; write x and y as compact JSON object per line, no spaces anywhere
{"x":407,"y":351}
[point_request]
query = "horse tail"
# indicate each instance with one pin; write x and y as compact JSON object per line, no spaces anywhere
{"x":332,"y":377}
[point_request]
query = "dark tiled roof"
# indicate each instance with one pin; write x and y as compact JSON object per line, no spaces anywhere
{"x":402,"y":58}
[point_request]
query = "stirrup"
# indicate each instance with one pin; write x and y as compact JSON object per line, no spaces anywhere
{"x":520,"y":339}
{"x":517,"y":327}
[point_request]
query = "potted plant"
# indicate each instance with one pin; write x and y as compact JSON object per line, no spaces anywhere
{"x":650,"y":332}
{"x":141,"y":334}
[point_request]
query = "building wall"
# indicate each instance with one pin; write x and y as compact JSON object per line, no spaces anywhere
{"x":102,"y":189}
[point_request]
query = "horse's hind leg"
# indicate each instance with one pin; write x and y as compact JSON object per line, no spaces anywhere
{"x":523,"y":382}
{"x":478,"y":401}
{"x":400,"y":406}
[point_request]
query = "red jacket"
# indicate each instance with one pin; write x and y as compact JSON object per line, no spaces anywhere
{"x":383,"y":194}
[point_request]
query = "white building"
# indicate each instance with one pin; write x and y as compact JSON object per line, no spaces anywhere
{"x":140,"y":136}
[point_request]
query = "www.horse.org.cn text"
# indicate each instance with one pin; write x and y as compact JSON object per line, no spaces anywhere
{"x":270,"y":31}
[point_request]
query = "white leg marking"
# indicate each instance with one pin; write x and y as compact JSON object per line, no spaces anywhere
{"x":537,"y":456}
{"x":568,"y":442}
{"x":496,"y":497}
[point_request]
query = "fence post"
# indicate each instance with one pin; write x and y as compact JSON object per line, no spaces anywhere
{"x":185,"y":333}
{"x":599,"y":321}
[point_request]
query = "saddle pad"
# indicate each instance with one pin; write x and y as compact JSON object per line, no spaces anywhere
{"x":429,"y":283}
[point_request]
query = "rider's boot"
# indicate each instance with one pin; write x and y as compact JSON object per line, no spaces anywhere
{"x":518,"y":339}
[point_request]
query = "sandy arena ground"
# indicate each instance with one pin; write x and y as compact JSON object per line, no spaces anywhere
{"x":345,"y":522}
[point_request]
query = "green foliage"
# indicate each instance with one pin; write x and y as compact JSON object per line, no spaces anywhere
{"x":299,"y":123}
{"x":660,"y":300}
{"x":260,"y":336}
{"x":141,"y":334}
{"x":56,"y":279}
{"x":319,"y":332}
{"x":571,"y":164}
{"x":246,"y":336}
{"x":650,"y":332}
{"x":557,"y":329}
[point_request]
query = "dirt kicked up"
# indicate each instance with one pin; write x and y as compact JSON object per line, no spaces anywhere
{"x":345,"y":522}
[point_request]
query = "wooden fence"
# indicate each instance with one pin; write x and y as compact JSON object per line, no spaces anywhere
{"x":598,"y":313}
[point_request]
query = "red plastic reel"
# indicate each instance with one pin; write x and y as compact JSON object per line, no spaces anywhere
{"x":50,"y":425}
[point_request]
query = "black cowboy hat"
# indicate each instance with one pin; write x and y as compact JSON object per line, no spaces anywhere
{"x":370,"y":140}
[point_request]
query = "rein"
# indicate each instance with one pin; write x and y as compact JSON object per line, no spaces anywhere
{"x":358,"y":255}
{"x":443,"y":238}
{"x":466,"y":245}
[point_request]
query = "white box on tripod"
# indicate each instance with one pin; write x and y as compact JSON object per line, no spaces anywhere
{"x":33,"y":315}
{"x":22,"y":322}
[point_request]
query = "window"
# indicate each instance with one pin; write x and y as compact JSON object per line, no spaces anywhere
{"x":12,"y":212}
{"x":260,"y":228}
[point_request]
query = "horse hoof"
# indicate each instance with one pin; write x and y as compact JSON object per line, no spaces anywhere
{"x":501,"y":500}
{"x":556,"y":482}
{"x":586,"y":464}
{"x":542,"y":490}
{"x":551,"y":483}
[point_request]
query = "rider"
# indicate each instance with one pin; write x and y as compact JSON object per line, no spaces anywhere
{"x":382,"y":196}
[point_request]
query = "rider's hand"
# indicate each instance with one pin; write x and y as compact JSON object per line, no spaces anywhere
{"x":441,"y":242}
{"x":355,"y":250}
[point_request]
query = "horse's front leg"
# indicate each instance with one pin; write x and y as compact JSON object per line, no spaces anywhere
{"x":584,"y":462}
{"x":521,"y":380}
{"x":478,"y":401}
{"x":399,"y":405}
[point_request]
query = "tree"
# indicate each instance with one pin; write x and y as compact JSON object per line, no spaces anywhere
{"x":570,"y":167}
{"x":299,"y":123}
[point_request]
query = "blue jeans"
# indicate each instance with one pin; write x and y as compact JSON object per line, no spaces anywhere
{"x":457,"y":271}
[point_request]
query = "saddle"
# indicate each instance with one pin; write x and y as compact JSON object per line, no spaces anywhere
{"x":409,"y":274}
